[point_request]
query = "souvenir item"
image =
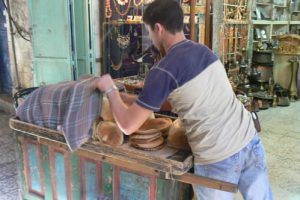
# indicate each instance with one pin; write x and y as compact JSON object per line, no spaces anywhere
{"x":108,"y":11}
{"x":122,"y":3}
{"x":123,"y":40}
{"x":137,"y":3}
{"x":114,"y":50}
{"x":148,"y":1}
{"x":293,"y":85}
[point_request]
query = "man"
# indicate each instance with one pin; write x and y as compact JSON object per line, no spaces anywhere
{"x":220,"y":130}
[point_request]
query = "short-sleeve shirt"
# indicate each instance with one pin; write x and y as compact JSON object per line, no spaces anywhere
{"x":194,"y":81}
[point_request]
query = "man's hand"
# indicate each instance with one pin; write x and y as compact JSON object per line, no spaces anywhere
{"x":128,"y":118}
{"x":104,"y":82}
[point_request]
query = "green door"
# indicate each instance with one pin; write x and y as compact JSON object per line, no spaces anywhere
{"x":83,"y":37}
{"x":51,"y":41}
{"x":61,"y":40}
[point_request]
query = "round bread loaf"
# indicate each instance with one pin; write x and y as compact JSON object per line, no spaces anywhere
{"x":177,"y":137}
{"x":143,"y":141}
{"x":154,"y":125}
{"x":155,"y":143}
{"x":109,"y":133}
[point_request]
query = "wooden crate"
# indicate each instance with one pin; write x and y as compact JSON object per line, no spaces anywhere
{"x":98,"y":171}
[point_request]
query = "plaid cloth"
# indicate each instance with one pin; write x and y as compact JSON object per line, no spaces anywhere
{"x":69,"y":107}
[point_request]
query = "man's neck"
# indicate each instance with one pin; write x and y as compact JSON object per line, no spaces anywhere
{"x":172,"y":39}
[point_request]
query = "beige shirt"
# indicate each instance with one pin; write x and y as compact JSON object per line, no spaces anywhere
{"x":217,"y":123}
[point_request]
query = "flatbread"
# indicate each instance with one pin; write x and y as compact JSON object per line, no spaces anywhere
{"x":154,"y":125}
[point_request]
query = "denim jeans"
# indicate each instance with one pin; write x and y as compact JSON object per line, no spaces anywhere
{"x":246,"y":168}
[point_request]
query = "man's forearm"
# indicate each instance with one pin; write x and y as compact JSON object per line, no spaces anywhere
{"x":128,"y":99}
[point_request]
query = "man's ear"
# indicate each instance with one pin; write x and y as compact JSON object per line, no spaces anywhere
{"x":158,"y":28}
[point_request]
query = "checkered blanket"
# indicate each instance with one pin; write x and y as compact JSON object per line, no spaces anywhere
{"x":69,"y":107}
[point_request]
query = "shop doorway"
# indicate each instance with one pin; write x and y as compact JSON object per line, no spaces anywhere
{"x":5,"y":75}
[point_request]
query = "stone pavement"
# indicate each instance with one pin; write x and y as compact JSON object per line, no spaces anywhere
{"x":9,"y":181}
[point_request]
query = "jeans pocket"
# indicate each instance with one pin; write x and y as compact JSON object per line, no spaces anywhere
{"x":259,"y":155}
{"x":226,"y":170}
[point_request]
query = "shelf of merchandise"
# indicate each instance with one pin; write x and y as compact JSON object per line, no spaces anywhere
{"x":273,"y":10}
{"x":233,"y":31}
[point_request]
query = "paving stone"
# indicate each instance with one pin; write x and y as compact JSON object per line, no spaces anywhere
{"x":9,"y":181}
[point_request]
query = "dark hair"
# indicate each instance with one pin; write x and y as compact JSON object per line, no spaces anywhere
{"x":166,"y":12}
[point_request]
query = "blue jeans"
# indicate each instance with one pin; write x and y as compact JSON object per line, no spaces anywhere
{"x":246,"y":168}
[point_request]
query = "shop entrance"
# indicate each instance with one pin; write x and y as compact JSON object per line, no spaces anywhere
{"x":5,"y":75}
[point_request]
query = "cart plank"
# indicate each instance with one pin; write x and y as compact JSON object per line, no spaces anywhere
{"x":167,"y":159}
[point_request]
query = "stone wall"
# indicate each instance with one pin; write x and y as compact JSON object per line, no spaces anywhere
{"x":23,"y":49}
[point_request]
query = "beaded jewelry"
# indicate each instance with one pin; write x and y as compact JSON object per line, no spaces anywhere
{"x":108,"y":11}
{"x":122,"y":2}
{"x":123,"y":40}
{"x":119,"y":11}
{"x":137,"y":4}
{"x":148,"y":1}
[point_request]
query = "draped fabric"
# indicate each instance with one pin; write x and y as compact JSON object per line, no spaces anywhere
{"x":69,"y":107}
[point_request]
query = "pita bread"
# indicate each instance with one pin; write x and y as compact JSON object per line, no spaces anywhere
{"x":177,"y":136}
{"x":109,"y":133}
{"x":143,"y":141}
{"x":149,"y":145}
{"x":154,"y":125}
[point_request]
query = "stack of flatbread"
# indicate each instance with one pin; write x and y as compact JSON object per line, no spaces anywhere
{"x":150,"y":135}
{"x":105,"y":129}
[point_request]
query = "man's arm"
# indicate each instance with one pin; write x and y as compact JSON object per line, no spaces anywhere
{"x":129,"y":118}
{"x":128,"y":99}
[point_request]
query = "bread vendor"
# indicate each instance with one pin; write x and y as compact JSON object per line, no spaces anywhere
{"x":220,"y":131}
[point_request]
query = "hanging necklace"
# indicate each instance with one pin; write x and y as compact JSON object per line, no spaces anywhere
{"x":122,"y":2}
{"x":148,"y":1}
{"x":115,"y":51}
{"x":108,"y":11}
{"x":126,"y":10}
{"x":123,"y":40}
{"x":137,"y":4}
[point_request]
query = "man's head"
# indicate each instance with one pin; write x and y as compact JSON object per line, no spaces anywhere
{"x":163,"y":18}
{"x":165,"y":12}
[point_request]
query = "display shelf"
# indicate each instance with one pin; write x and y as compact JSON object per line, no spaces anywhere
{"x":280,"y":18}
{"x":259,"y":22}
{"x":279,"y":6}
{"x":263,"y":4}
{"x":295,"y":22}
{"x":280,"y":22}
{"x":126,"y":45}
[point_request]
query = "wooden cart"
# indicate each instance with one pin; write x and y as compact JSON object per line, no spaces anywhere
{"x":99,"y":171}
